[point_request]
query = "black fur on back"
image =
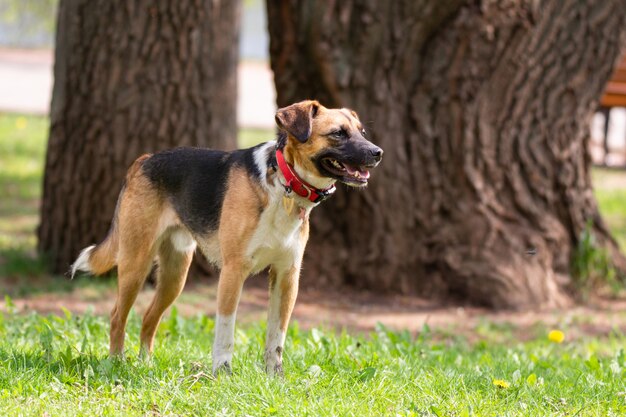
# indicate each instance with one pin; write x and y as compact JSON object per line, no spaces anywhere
{"x":194,"y":179}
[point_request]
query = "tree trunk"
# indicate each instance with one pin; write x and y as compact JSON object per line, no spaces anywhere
{"x":483,"y":111}
{"x":130,"y":77}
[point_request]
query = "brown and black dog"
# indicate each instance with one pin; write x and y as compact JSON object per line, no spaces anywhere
{"x":246,"y":210}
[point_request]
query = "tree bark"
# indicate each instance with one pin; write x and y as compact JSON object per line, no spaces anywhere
{"x":483,"y":111}
{"x":130,"y":77}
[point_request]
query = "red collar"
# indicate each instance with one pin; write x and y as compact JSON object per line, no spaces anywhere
{"x":298,"y":185}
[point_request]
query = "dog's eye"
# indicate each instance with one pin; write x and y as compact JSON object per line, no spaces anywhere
{"x":340,"y":134}
{"x":363,"y":132}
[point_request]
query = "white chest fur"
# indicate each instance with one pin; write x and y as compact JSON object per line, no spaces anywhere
{"x":278,"y":239}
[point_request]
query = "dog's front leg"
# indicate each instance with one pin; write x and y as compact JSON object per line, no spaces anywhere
{"x":228,"y":293}
{"x":283,"y":293}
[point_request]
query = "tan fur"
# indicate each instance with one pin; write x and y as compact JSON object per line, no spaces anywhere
{"x":172,"y":274}
{"x":103,"y":257}
{"x":289,"y":292}
{"x":289,"y":283}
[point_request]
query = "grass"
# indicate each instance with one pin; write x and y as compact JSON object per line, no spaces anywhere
{"x":22,"y":151}
{"x":254,"y":136}
{"x":610,"y":192}
{"x":59,"y":366}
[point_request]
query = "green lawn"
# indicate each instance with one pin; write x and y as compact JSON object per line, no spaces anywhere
{"x":610,"y":192}
{"x":22,"y":149}
{"x":58,"y":366}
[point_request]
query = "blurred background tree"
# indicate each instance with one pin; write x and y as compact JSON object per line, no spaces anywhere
{"x":483,"y":110}
{"x":130,"y":78}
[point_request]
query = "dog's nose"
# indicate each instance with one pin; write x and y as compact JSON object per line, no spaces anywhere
{"x":377,"y":153}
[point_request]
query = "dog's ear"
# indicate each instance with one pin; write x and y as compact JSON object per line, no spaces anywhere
{"x":297,"y":119}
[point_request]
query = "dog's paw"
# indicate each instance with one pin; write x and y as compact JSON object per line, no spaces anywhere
{"x":275,"y":370}
{"x":274,"y":362}
{"x":144,"y":354}
{"x":222,"y":368}
{"x":118,"y":356}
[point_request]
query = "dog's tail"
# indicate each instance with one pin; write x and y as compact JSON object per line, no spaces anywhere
{"x":101,"y":258}
{"x":98,"y":259}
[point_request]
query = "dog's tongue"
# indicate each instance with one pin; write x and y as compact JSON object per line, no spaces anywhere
{"x":363,"y":173}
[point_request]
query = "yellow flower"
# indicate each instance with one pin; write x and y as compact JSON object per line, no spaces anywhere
{"x":556,"y":336}
{"x":501,"y":383}
{"x":20,"y":123}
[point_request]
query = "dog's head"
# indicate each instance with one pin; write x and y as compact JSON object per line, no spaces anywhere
{"x":325,"y":145}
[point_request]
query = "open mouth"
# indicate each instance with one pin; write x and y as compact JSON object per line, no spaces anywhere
{"x":349,"y":174}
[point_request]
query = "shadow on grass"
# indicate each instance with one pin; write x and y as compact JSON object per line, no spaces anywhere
{"x":19,"y":262}
{"x":23,"y":273}
{"x":96,"y":370}
{"x":73,"y":350}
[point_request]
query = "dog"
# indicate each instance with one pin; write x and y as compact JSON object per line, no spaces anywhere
{"x":245,"y":210}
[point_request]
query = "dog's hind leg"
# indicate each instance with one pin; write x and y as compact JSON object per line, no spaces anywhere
{"x":130,"y":280}
{"x":175,"y":255}
{"x":142,"y":220}
{"x":132,"y":274}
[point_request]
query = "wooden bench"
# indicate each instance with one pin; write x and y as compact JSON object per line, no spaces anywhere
{"x":615,"y":92}
{"x":614,"y":96}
